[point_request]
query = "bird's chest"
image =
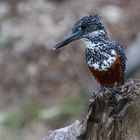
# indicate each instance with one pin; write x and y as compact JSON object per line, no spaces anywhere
{"x":105,"y":67}
{"x":100,"y":58}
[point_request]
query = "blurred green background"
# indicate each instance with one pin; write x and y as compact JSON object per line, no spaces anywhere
{"x":42,"y":89}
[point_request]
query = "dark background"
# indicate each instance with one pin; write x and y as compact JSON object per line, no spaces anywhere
{"x":42,"y":89}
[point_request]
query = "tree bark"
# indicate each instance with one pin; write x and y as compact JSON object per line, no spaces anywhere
{"x":112,"y":115}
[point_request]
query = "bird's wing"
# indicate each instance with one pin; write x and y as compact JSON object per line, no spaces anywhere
{"x":122,"y":54}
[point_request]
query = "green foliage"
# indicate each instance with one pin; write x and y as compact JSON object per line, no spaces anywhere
{"x":11,"y":123}
{"x":64,"y":111}
{"x":74,"y":105}
{"x":31,"y":111}
{"x":6,"y":39}
{"x":14,"y":121}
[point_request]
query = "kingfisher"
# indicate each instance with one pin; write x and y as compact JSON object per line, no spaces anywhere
{"x":105,"y":58}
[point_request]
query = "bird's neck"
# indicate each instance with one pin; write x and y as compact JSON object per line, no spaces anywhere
{"x":99,"y":54}
{"x":95,"y":38}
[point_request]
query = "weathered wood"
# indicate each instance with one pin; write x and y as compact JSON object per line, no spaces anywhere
{"x":112,"y":115}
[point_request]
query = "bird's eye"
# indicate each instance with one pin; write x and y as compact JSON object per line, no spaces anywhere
{"x":83,"y":26}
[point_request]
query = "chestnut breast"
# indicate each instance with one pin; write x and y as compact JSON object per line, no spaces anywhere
{"x":109,"y":77}
{"x":105,"y":67}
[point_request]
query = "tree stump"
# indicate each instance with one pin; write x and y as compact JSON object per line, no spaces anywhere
{"x":112,"y":115}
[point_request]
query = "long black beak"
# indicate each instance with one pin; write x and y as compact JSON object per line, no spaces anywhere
{"x":67,"y":39}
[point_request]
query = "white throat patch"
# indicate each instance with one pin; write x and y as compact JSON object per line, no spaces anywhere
{"x":88,"y":43}
{"x":94,"y":34}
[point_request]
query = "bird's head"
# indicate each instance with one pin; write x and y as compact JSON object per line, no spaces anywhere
{"x":86,"y":28}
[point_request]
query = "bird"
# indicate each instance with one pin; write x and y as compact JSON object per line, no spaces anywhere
{"x":105,"y":57}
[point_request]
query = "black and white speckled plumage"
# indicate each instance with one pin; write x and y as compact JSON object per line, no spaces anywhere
{"x":100,"y":49}
{"x":97,"y":54}
{"x":106,"y":59}
{"x":123,"y":58}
